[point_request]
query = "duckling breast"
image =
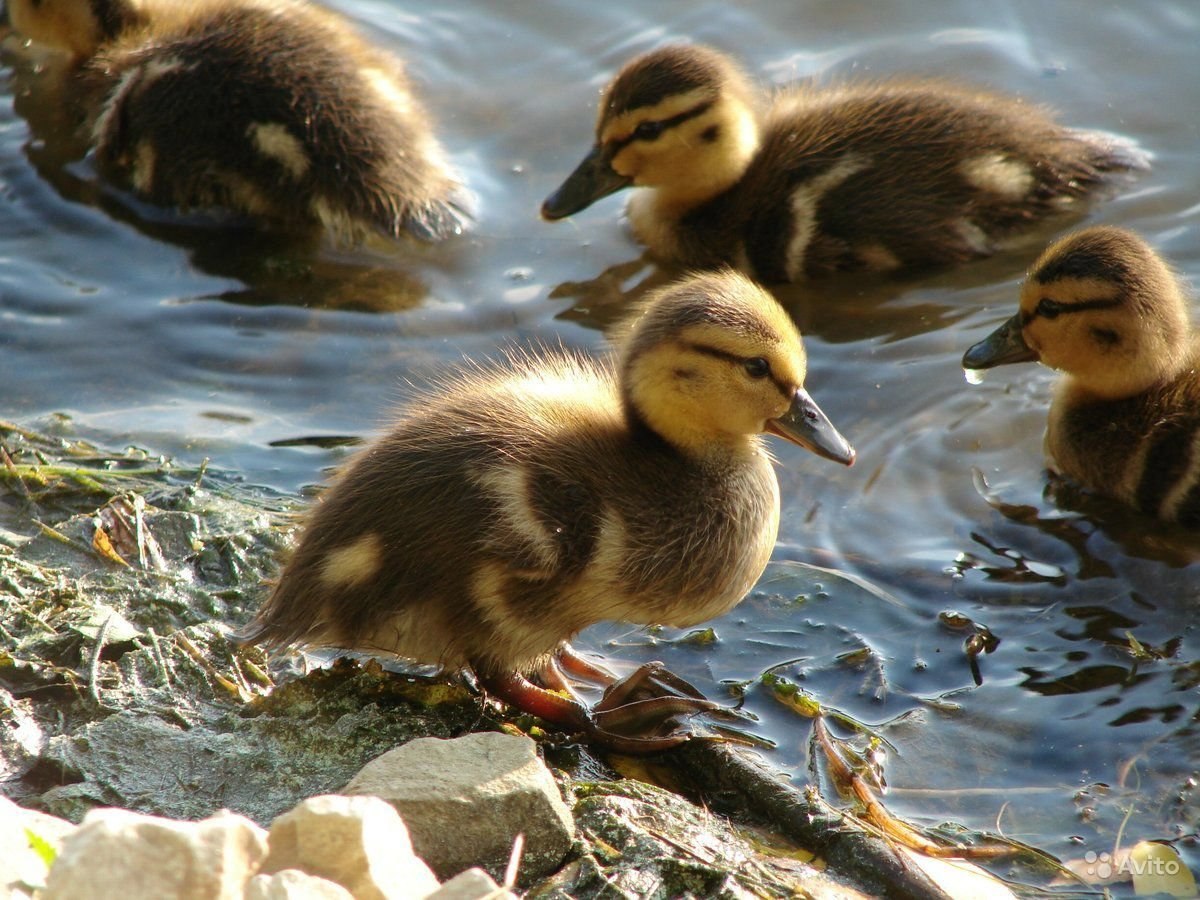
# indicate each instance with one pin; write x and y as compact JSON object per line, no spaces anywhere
{"x":1142,"y":450}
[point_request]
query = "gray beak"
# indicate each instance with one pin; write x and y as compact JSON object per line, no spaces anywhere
{"x":592,"y":179}
{"x":1004,"y":345}
{"x":806,"y":425}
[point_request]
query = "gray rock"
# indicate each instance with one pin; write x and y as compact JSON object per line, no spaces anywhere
{"x":473,"y":884}
{"x":117,"y":853}
{"x":22,"y":737}
{"x":27,"y":840}
{"x":643,"y":841}
{"x":292,"y":884}
{"x":358,"y":842}
{"x":465,"y":801}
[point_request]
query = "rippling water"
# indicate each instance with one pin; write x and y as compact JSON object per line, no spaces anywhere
{"x":198,"y":343}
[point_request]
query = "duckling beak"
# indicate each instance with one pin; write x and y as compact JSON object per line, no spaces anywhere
{"x":592,"y":179}
{"x":1004,"y":345}
{"x":806,"y":425}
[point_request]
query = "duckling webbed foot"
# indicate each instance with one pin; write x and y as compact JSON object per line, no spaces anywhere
{"x":635,"y":716}
{"x":647,"y":698}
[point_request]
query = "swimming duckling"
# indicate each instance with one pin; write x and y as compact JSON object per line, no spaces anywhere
{"x":824,"y":179}
{"x":1104,"y":309}
{"x":521,"y":503}
{"x":271,"y":108}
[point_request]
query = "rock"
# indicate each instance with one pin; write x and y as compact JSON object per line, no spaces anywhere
{"x":639,"y":840}
{"x":28,"y":841}
{"x":473,"y":884}
{"x":292,"y":884}
{"x":117,"y":853}
{"x":359,"y":843}
{"x":21,"y":737}
{"x":465,"y":801}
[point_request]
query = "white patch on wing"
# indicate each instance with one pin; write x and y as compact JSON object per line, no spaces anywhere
{"x":1187,"y":480}
{"x":141,"y":173}
{"x":974,"y":236}
{"x":804,"y":202}
{"x":509,"y":484}
{"x":997,"y":174}
{"x":389,"y":92}
{"x":353,"y":563}
{"x":274,"y":141}
{"x":156,"y":68}
{"x":110,"y":117}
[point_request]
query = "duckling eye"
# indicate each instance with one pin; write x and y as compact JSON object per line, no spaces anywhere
{"x":757,"y":367}
{"x":648,"y":130}
{"x":1048,"y":308}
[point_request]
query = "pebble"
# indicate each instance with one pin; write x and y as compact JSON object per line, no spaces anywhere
{"x":466,"y":800}
{"x":479,"y":792}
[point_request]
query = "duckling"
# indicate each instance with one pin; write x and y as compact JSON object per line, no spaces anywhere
{"x":520,"y":503}
{"x":877,"y":176}
{"x":1104,"y":309}
{"x":275,"y":109}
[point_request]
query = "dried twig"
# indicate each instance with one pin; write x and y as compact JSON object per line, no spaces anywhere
{"x":94,"y":662}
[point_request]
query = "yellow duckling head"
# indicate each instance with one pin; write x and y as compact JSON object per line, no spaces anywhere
{"x":680,"y":119}
{"x":1100,"y":306}
{"x":77,"y":27}
{"x":714,"y":361}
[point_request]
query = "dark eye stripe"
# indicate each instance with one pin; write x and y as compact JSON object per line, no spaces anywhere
{"x":615,"y":147}
{"x":1051,"y":309}
{"x":740,"y":361}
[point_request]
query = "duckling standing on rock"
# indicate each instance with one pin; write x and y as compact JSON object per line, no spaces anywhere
{"x":1104,"y":309}
{"x":271,"y":108}
{"x":522,"y":503}
{"x":854,"y":176}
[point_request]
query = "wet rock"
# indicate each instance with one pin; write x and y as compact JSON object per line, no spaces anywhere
{"x":358,"y":842}
{"x":28,"y":841}
{"x":292,"y":884}
{"x":643,"y":841}
{"x":307,"y":738}
{"x":473,"y":884}
{"x":22,"y":737}
{"x":465,"y":801}
{"x":117,"y":853}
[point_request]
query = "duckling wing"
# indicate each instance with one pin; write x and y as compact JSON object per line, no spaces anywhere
{"x":908,"y":174}
{"x":448,"y":540}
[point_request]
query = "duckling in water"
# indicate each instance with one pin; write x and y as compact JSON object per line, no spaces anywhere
{"x":854,"y":176}
{"x":271,"y":108}
{"x":521,"y":503}
{"x":1104,"y":309}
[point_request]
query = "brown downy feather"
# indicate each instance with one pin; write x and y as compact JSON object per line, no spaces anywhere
{"x":829,"y":178}
{"x":277,"y":110}
{"x":515,"y":504}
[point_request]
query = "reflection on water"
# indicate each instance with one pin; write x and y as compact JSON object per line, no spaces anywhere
{"x":268,"y":354}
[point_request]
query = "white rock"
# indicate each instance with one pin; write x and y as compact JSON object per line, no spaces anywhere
{"x":292,"y":884}
{"x":473,"y":884}
{"x":131,"y":856}
{"x":465,"y":801}
{"x":359,"y":843}
{"x":21,"y":864}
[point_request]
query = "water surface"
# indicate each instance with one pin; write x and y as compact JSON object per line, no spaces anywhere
{"x":192,"y":341}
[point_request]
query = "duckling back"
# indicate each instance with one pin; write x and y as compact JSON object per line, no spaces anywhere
{"x":909,"y":174}
{"x":273,"y":109}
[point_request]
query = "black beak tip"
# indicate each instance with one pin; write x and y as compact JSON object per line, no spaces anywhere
{"x":550,"y":209}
